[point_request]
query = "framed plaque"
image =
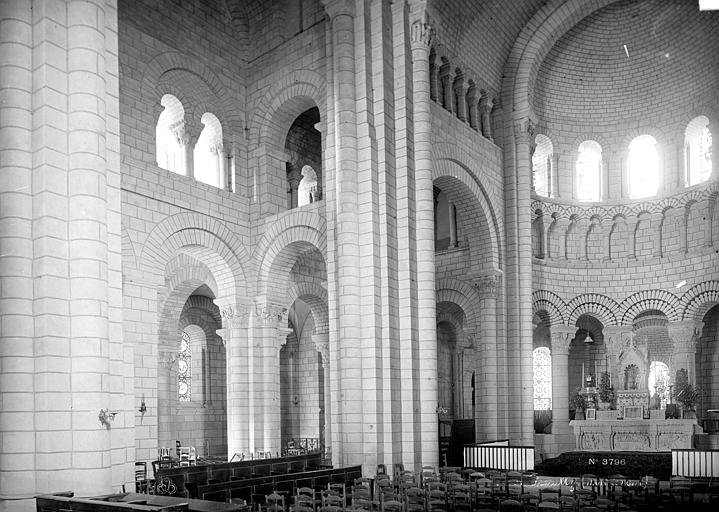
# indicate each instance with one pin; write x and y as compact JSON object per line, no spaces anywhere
{"x":633,"y":412}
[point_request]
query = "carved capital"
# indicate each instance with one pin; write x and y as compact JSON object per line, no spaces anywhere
{"x":524,"y":129}
{"x":487,"y":286}
{"x":617,"y":338}
{"x":269,"y":314}
{"x":561,"y":337}
{"x":422,"y":34}
{"x":335,"y":8}
{"x":282,"y":333}
{"x":166,"y":359}
{"x":216,"y":148}
{"x":235,"y":315}
{"x":486,"y":104}
{"x":685,"y":334}
{"x":322,"y":343}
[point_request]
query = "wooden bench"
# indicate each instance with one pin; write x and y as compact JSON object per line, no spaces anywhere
{"x":254,"y":489}
{"x":64,"y":503}
{"x":184,"y":481}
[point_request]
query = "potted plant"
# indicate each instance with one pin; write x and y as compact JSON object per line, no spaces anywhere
{"x":578,"y":402}
{"x":685,"y":394}
{"x":606,"y":392}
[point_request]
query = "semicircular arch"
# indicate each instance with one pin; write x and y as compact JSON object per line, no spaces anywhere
{"x":699,"y":299}
{"x":475,"y":202}
{"x":204,"y":238}
{"x":660,"y":300}
{"x":603,"y":308}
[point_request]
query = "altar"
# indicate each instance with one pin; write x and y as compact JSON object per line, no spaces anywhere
{"x":645,"y":435}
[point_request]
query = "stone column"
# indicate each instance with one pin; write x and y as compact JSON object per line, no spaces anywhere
{"x":424,"y":225}
{"x":473,"y":108}
{"x":519,"y":282}
{"x":322,"y":342}
{"x":187,"y":138}
{"x":240,"y":363}
{"x":460,"y":93}
{"x":562,"y":336}
{"x":293,"y":181}
{"x":708,"y":224}
{"x":273,"y":336}
{"x":656,"y":225}
{"x":348,"y":385}
{"x":219,"y":150}
{"x":445,"y":77}
{"x":452,"y":225}
{"x":685,"y":336}
{"x":487,"y":376}
{"x":433,"y":77}
{"x":486,"y":104}
{"x":17,"y":386}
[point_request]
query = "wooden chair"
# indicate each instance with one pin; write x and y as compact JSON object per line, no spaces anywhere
{"x":141,"y":481}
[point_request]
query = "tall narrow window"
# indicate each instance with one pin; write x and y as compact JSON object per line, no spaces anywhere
{"x":589,"y":171}
{"x":209,"y":152}
{"x":542,"y":370}
{"x":643,"y":167}
{"x":542,"y":166}
{"x":698,"y":151}
{"x":167,"y":134}
{"x":184,"y":369}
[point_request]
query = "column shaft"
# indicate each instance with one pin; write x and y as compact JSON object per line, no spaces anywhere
{"x":426,"y":298}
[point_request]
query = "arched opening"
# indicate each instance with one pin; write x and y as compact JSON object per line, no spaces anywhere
{"x":303,"y":145}
{"x":542,"y":171}
{"x":445,"y":221}
{"x":643,"y":167}
{"x":168,"y":133}
{"x":707,"y":363}
{"x":302,"y":384}
{"x":697,"y":151}
{"x":446,"y":371}
{"x":192,"y":377}
{"x":587,"y":355}
{"x":307,"y":190}
{"x":209,"y":152}
{"x":588,"y":173}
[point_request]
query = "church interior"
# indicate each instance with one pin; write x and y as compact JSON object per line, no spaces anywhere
{"x":359,"y":228}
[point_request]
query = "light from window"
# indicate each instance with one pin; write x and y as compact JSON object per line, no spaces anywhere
{"x":659,"y":382}
{"x":698,"y":151}
{"x":542,"y":371}
{"x":542,"y":166}
{"x":184,"y":369}
{"x":643,"y":167}
{"x":167,"y":132}
{"x":307,"y":191}
{"x":589,"y":171}
{"x":208,"y":151}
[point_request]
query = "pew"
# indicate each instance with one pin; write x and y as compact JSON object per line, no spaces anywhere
{"x":254,"y":489}
{"x":184,"y":481}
